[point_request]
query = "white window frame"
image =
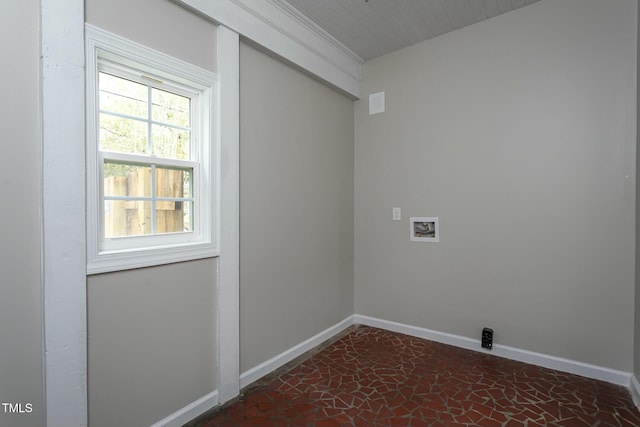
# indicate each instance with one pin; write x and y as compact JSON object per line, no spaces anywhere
{"x":142,"y":251}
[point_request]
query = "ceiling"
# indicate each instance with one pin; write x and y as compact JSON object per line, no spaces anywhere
{"x":372,"y":28}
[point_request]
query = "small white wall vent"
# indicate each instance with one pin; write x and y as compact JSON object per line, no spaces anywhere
{"x":376,"y":103}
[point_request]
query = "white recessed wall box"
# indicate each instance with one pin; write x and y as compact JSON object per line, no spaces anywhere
{"x":424,"y":229}
{"x":376,"y":103}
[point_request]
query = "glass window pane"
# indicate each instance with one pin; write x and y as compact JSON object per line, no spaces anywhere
{"x":188,"y":218}
{"x":173,"y":217}
{"x":170,"y":108}
{"x":126,"y":180}
{"x":127,"y":218}
{"x":123,"y":135}
{"x":170,"y":143}
{"x":123,"y":96}
{"x":173,"y":182}
{"x":187,"y":184}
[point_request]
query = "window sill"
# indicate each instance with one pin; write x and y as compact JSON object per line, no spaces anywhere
{"x":106,"y":262}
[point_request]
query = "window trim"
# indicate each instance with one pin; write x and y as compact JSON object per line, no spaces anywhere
{"x":104,"y":46}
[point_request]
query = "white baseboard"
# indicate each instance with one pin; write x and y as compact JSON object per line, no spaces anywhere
{"x":200,"y":406}
{"x":193,"y":410}
{"x":287,"y":356}
{"x":635,"y":390}
{"x":539,"y":359}
{"x":189,"y":412}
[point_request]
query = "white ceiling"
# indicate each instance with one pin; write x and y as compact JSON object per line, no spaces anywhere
{"x":372,"y":28}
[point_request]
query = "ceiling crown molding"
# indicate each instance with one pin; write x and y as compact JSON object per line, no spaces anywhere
{"x":295,"y":14}
{"x":280,"y":28}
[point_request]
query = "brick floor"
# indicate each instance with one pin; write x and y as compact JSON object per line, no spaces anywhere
{"x":371,"y":377}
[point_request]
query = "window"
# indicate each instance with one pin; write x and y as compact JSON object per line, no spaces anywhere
{"x":150,"y":157}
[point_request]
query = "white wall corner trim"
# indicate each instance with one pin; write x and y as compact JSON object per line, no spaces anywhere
{"x":229,"y":179}
{"x":189,"y":412}
{"x":63,"y":213}
{"x":635,"y":390}
{"x":281,"y":29}
{"x":287,"y":356}
{"x":560,"y":364}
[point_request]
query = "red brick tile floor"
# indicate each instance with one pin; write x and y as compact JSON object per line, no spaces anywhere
{"x":371,"y":377}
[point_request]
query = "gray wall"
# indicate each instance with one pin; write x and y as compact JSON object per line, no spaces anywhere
{"x":296,"y":207}
{"x":636,"y":364}
{"x":20,"y":294}
{"x":151,"y":342}
{"x":152,"y":332}
{"x":518,"y":132}
{"x":159,"y":24}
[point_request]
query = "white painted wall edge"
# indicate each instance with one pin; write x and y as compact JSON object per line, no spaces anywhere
{"x":63,"y":203}
{"x":635,"y":390}
{"x":287,"y":34}
{"x":189,"y":412}
{"x":285,"y":357}
{"x":228,"y":289}
{"x":560,"y":364}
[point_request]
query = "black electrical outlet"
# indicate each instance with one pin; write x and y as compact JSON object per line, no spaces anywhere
{"x":487,"y":338}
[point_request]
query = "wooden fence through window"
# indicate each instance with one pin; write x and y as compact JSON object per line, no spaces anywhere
{"x":133,"y":217}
